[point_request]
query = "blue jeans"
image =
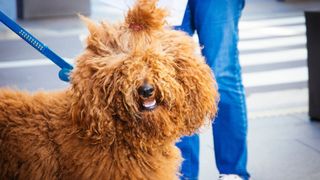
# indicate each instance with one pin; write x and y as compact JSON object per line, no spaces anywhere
{"x":216,"y":22}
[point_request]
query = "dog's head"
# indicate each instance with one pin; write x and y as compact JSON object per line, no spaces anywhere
{"x":141,"y":80}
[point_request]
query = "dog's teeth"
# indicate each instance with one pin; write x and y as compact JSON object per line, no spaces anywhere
{"x":149,"y":104}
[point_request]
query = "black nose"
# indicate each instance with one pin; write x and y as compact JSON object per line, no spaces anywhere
{"x":146,"y":90}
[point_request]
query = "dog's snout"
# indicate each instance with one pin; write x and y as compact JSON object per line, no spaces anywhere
{"x":146,"y":90}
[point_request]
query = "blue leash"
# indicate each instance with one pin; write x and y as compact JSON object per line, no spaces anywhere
{"x":42,"y":48}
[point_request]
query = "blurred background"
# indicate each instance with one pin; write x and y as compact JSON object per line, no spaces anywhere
{"x":281,"y":77}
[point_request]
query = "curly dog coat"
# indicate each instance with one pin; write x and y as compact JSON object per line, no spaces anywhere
{"x":135,"y":90}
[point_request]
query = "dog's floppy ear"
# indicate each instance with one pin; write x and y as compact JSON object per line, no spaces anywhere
{"x":101,"y":39}
{"x":145,"y":16}
{"x":91,"y":25}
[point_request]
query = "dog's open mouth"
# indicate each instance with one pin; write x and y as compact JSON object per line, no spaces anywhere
{"x":149,"y":104}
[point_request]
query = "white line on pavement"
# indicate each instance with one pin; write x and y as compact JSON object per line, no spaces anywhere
{"x":261,"y":44}
{"x":299,"y":54}
{"x":275,"y":77}
{"x":271,"y":22}
{"x":265,"y":32}
{"x":28,"y":63}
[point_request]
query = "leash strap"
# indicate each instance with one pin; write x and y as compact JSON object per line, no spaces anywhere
{"x":42,"y":48}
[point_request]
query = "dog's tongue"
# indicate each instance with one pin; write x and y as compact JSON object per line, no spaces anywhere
{"x":149,"y":104}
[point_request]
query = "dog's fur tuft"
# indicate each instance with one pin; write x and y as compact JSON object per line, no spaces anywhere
{"x":145,"y":16}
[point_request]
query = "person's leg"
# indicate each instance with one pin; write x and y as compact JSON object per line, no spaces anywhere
{"x":189,"y":147}
{"x":188,"y":20}
{"x":216,"y":22}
